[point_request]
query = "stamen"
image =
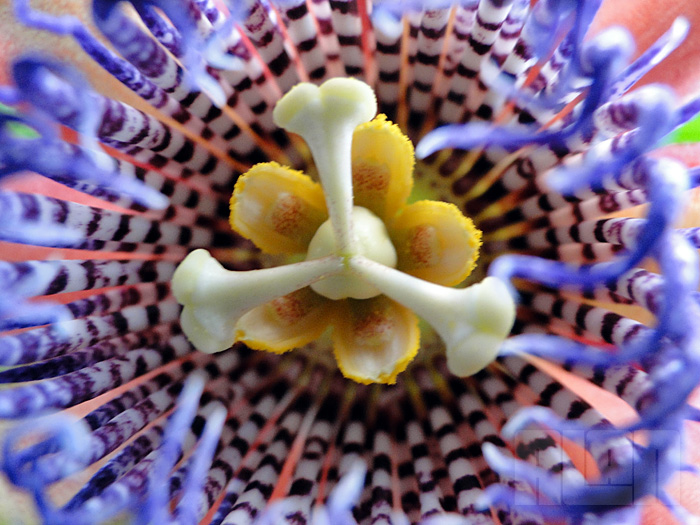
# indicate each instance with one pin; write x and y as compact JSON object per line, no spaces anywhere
{"x":472,"y":322}
{"x":326,"y":118}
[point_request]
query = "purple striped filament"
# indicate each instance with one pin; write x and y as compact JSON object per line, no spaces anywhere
{"x":527,"y":124}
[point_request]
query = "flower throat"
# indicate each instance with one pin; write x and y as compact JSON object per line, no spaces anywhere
{"x":374,"y":263}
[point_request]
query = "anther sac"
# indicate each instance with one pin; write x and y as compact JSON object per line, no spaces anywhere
{"x":248,"y":301}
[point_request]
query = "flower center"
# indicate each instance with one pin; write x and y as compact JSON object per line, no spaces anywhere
{"x":373,"y":261}
{"x":371,"y":240}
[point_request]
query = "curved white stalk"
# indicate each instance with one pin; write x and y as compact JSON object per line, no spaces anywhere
{"x":472,"y":322}
{"x":215,"y":298}
{"x":326,"y":118}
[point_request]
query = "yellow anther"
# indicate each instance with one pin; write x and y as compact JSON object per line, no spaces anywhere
{"x":277,"y":208}
{"x":382,"y":167}
{"x":436,"y":242}
{"x":374,"y":340}
{"x":285,"y":323}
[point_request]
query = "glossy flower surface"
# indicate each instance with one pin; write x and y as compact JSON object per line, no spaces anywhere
{"x":525,"y":119}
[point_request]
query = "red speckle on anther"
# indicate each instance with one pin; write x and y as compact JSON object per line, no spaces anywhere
{"x":286,"y":214}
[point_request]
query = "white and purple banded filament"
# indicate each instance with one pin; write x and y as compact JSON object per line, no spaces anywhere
{"x":533,"y":127}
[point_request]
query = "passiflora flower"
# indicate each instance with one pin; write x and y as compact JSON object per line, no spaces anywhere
{"x":345,"y":261}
